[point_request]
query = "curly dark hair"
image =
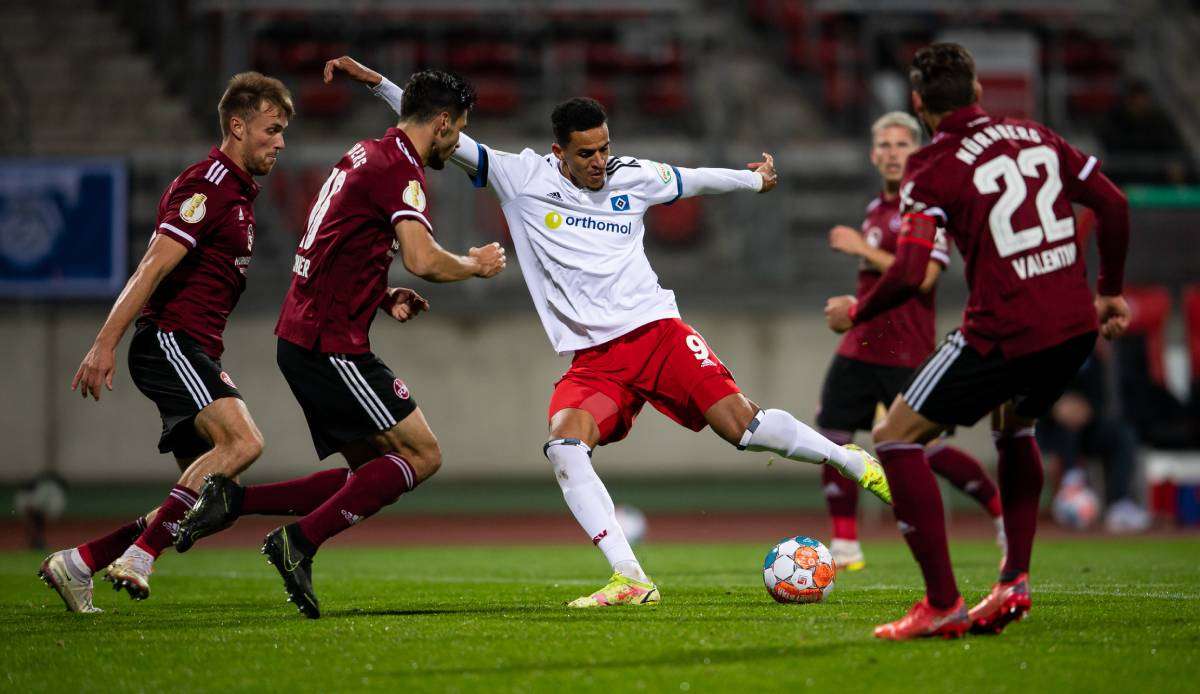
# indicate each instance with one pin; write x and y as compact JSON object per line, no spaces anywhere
{"x":431,"y":92}
{"x":576,"y":115}
{"x":944,"y":75}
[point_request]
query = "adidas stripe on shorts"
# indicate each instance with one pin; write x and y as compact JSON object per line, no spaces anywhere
{"x":345,"y":397}
{"x":171,"y":369}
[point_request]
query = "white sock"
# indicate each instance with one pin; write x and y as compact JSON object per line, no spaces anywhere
{"x":779,"y":432}
{"x":76,"y":565}
{"x":590,"y":503}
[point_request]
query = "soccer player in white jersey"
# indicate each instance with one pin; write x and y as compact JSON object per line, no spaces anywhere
{"x":575,"y":216}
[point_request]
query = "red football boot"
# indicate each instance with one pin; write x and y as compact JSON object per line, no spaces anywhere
{"x":924,"y":620}
{"x":1008,"y":602}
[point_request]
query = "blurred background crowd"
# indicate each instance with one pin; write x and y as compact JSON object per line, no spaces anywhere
{"x":103,"y":103}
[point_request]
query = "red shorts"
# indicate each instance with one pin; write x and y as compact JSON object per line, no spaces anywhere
{"x":665,"y":362}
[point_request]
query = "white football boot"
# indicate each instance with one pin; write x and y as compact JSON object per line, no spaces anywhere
{"x":847,"y":554}
{"x":64,"y":571}
{"x":131,"y":571}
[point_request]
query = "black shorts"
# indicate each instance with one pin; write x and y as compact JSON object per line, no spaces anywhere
{"x":958,"y":385}
{"x":853,"y":390}
{"x":172,"y":370}
{"x":345,"y":397}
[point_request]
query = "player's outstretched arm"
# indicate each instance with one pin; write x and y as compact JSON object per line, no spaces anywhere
{"x":758,"y":177}
{"x":425,"y":258}
{"x":99,"y":364}
{"x":467,"y":153}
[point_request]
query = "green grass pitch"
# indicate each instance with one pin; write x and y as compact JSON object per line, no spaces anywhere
{"x":1109,"y":615}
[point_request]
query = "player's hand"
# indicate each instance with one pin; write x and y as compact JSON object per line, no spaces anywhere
{"x":98,"y":367}
{"x":353,"y":69}
{"x":1114,"y":314}
{"x":406,"y":303}
{"x":490,"y":258}
{"x":766,"y":169}
{"x":837,"y":313}
{"x":846,"y":240}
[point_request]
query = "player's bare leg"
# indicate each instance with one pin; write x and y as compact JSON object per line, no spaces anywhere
{"x":742,"y":423}
{"x":384,"y":466}
{"x":237,"y":443}
{"x":900,"y":442}
{"x":1021,"y":477}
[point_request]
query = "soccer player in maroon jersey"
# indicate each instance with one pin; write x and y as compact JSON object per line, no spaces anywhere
{"x":1002,"y":188}
{"x":181,"y":295}
{"x":876,"y":358}
{"x":372,"y":206}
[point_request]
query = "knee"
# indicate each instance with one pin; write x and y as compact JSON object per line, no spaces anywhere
{"x":248,"y":448}
{"x":426,"y":461}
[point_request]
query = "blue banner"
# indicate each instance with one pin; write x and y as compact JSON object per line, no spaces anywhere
{"x":62,"y":228}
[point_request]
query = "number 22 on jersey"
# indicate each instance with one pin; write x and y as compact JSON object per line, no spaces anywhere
{"x":1015,"y":193}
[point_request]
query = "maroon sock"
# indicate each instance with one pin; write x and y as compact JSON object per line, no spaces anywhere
{"x":963,"y":471}
{"x":103,"y":551}
{"x":296,"y":497}
{"x":159,"y":534}
{"x":1021,"y":476}
{"x":841,"y":496}
{"x":371,"y":487}
{"x":919,"y":514}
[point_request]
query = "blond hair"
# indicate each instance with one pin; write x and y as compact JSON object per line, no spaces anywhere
{"x":898,"y":119}
{"x":245,"y":95}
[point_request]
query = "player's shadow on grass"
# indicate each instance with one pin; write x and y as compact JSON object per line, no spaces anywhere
{"x":708,"y":657}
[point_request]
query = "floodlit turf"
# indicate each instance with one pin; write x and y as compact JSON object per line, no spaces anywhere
{"x":1109,"y":615}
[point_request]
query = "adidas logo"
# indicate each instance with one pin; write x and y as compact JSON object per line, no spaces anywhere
{"x":905,"y":528}
{"x":972,"y":486}
{"x":350,"y":517}
{"x":596,"y":540}
{"x":707,"y":362}
{"x":172,"y":528}
{"x":832,"y":491}
{"x":554,"y":194}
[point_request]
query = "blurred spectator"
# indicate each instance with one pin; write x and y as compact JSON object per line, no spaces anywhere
{"x":1142,"y":143}
{"x":1088,"y":421}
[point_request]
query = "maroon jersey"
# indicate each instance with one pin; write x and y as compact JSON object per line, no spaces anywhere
{"x":1003,"y":189}
{"x":209,"y":208}
{"x":341,"y":266}
{"x":904,"y":335}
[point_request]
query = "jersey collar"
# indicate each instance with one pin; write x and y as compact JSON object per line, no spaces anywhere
{"x":244,"y":176}
{"x":408,"y":144}
{"x":962,"y":118}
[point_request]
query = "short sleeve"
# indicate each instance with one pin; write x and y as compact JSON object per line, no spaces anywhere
{"x":505,"y":173}
{"x":401,"y":195}
{"x":192,"y":211}
{"x":657,"y":183}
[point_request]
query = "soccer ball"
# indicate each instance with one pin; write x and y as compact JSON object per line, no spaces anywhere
{"x":799,"y":569}
{"x":632,"y":522}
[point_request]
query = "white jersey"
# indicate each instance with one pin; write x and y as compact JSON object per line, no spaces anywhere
{"x":582,"y":252}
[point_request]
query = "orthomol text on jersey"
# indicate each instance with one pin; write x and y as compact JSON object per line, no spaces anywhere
{"x":555,"y":220}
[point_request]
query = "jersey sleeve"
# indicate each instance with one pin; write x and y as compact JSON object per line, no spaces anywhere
{"x":192,"y":211}
{"x":505,"y":173}
{"x":941,"y":248}
{"x":1076,"y":167}
{"x":400,"y":194}
{"x":923,"y":191}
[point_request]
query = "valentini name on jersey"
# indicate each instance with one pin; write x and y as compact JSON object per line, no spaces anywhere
{"x":582,"y":251}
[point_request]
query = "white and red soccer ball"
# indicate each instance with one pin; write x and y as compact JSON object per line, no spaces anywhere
{"x":799,"y":569}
